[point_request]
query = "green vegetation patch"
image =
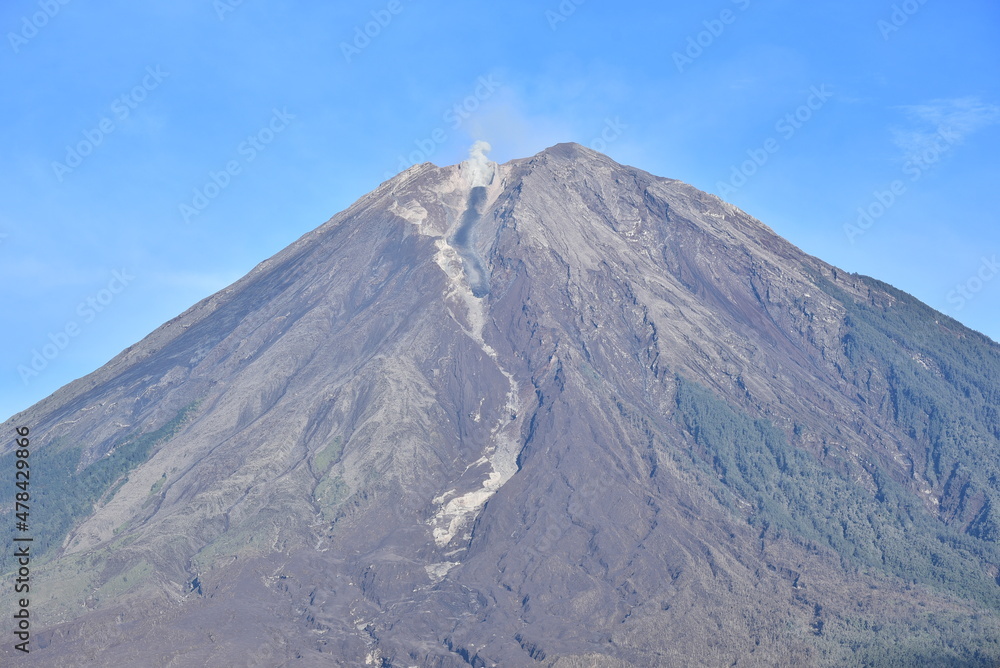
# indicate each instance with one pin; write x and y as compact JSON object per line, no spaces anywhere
{"x":940,"y":639}
{"x":325,"y":458}
{"x":254,"y":536}
{"x":158,"y":485}
{"x":61,"y":496}
{"x":125,"y":580}
{"x":330,"y":493}
{"x":792,"y":494}
{"x":944,"y":393}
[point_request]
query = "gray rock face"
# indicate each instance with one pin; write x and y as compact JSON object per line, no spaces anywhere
{"x":470,"y":424}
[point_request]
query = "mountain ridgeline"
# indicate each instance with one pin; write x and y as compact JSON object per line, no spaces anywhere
{"x":557,"y":412}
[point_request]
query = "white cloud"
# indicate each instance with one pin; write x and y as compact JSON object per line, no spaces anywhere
{"x":955,"y":119}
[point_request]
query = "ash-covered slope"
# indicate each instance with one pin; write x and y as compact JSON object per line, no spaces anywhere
{"x":555,"y":412}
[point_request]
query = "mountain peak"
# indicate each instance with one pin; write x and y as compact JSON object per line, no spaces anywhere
{"x":570,"y":151}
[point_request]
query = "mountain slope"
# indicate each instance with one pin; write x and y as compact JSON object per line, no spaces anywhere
{"x":554,"y":412}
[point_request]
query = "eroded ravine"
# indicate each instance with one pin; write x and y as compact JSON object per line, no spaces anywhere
{"x":468,"y":287}
{"x":462,"y":241}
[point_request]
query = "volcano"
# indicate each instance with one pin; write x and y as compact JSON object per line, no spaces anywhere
{"x":557,"y":412}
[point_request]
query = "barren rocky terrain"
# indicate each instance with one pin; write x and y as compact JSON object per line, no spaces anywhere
{"x":556,"y":412}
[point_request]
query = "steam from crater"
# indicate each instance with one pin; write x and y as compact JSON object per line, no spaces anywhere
{"x":478,"y":168}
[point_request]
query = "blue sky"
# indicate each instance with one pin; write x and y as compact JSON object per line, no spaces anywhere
{"x":152,"y":153}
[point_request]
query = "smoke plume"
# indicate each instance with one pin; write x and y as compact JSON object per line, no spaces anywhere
{"x":480,"y":168}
